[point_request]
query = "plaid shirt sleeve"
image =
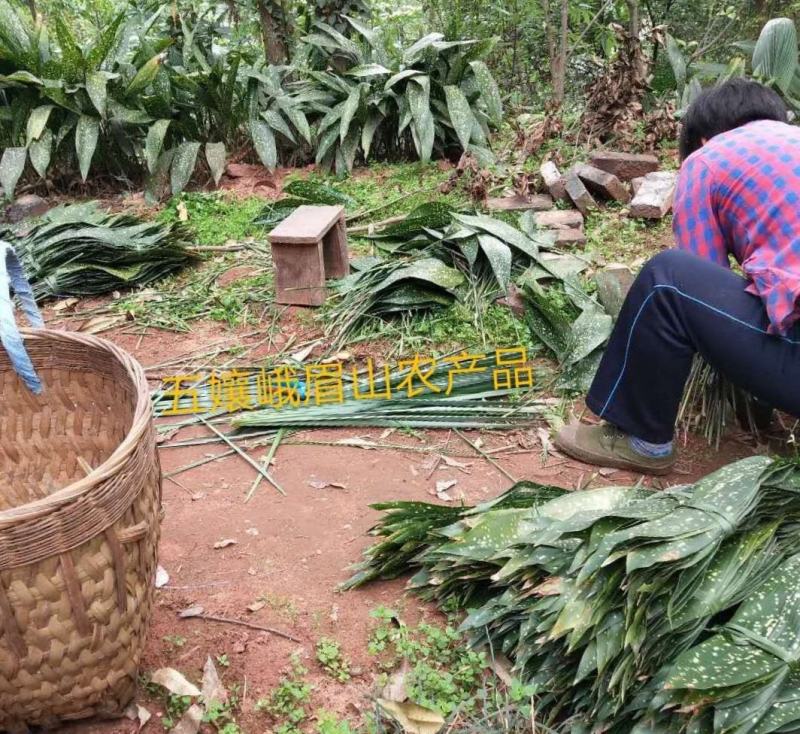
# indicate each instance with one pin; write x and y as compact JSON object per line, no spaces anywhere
{"x":695,"y":221}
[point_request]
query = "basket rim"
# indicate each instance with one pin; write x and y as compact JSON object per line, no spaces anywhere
{"x":142,"y":417}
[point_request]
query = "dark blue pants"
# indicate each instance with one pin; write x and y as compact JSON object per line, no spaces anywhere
{"x":680,"y":305}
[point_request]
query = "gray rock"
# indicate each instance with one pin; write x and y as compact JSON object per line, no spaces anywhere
{"x":26,"y":207}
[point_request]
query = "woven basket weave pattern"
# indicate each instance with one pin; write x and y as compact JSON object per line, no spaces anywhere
{"x":77,"y":551}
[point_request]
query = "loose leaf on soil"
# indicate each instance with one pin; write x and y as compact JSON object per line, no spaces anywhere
{"x":213,"y":690}
{"x":174,"y":682}
{"x":499,"y":256}
{"x":413,"y":718}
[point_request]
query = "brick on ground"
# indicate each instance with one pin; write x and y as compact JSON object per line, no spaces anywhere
{"x":603,"y":184}
{"x":559,"y":219}
{"x":654,"y":196}
{"x":625,"y":166}
{"x":553,"y":180}
{"x":578,"y":193}
{"x":568,"y":237}
{"x":518,"y":203}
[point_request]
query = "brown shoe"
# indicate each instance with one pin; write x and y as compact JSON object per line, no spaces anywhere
{"x":606,"y":445}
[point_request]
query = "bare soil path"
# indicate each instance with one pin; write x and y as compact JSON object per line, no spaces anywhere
{"x":291,"y":552}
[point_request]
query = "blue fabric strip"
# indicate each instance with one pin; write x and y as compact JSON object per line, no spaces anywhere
{"x":12,"y":276}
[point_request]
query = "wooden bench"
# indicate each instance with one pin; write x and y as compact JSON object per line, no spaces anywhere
{"x":308,"y":246}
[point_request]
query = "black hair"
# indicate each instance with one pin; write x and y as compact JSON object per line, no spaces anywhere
{"x":727,"y":106}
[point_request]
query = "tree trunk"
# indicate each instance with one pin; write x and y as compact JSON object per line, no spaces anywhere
{"x":550,"y":37}
{"x":271,"y":34}
{"x":634,"y":18}
{"x":32,"y":7}
{"x":559,"y":58}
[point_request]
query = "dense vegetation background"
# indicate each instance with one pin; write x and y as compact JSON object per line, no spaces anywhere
{"x":152,"y":94}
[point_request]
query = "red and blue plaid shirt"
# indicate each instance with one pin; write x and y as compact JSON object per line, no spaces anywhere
{"x":740,"y":195}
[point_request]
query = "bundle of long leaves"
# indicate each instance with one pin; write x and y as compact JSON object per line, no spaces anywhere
{"x":610,"y":600}
{"x":301,"y":193}
{"x":81,"y":250}
{"x":460,"y":393}
{"x":571,"y":324}
{"x":435,"y":255}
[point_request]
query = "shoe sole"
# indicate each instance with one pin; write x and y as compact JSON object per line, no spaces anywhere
{"x":587,"y":457}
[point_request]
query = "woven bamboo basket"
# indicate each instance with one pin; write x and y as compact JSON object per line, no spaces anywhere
{"x":80,"y":493}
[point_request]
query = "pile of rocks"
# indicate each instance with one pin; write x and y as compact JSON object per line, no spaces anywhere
{"x":631,"y":179}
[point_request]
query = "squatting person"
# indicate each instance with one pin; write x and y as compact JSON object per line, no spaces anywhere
{"x":738,"y":194}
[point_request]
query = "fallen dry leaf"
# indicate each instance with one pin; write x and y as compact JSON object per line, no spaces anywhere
{"x":502,"y":668}
{"x":138,"y":713}
{"x":544,"y":438}
{"x":338,"y":357}
{"x":395,"y":688}
{"x":194,"y":611}
{"x":413,"y":718}
{"x":174,"y":682}
{"x":99,"y":324}
{"x":190,"y":721}
{"x":316,"y":484}
{"x":256,"y":606}
{"x":303,"y":354}
{"x":213,"y":690}
{"x":224,"y":543}
{"x":162,"y":577}
{"x":183,"y":212}
{"x":441,"y":489}
{"x":66,"y":304}
{"x":450,"y":461}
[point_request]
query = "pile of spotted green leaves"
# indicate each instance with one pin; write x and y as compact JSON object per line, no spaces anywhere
{"x":435,"y":256}
{"x":81,"y":250}
{"x":631,"y":611}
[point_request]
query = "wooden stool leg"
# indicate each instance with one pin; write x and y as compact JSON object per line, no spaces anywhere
{"x":299,"y":274}
{"x":334,"y":246}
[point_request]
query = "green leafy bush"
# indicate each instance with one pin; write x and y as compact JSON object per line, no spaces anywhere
{"x":773,"y":59}
{"x":160,"y":96}
{"x":433,"y":96}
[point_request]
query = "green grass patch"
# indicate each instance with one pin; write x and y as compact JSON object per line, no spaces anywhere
{"x":616,"y":238}
{"x":382,"y":191}
{"x":216,"y":217}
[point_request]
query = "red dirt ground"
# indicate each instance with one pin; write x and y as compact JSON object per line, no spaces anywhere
{"x":292,"y":551}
